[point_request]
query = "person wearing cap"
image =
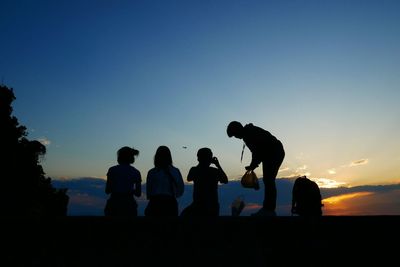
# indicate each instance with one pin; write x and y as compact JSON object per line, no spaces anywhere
{"x":265,"y":149}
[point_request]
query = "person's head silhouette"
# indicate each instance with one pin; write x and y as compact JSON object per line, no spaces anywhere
{"x":235,"y":129}
{"x":204,"y":156}
{"x":126,"y":155}
{"x":162,"y":158}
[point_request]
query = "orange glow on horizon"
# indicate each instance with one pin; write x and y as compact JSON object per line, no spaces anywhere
{"x":252,"y":206}
{"x":336,"y":199}
{"x":359,"y":203}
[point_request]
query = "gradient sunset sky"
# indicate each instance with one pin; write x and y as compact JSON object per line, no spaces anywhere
{"x":322,"y":76}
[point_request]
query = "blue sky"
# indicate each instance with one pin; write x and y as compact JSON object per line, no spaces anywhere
{"x":322,"y":76}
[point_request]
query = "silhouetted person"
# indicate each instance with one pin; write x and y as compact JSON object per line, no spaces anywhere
{"x":164,"y":184}
{"x":205,"y":185}
{"x":123,"y":184}
{"x":266,"y":149}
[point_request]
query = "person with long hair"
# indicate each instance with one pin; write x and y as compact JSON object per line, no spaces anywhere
{"x":164,"y":184}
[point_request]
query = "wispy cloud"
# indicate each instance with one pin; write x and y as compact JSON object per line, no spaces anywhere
{"x":331,"y":171}
{"x":328,"y":183}
{"x":299,"y":171}
{"x":302,"y":168}
{"x":354,"y":163}
{"x":297,"y":174}
{"x":284,"y":169}
{"x":45,"y":141}
{"x":359,"y":162}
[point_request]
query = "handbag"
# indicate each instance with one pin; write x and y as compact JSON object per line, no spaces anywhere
{"x":250,"y":180}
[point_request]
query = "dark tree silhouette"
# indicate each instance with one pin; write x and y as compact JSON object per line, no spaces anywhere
{"x":24,"y":189}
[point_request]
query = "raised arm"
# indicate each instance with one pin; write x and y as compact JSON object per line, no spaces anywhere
{"x":222,"y":175}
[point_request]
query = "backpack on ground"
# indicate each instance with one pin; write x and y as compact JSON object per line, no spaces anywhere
{"x":306,"y":198}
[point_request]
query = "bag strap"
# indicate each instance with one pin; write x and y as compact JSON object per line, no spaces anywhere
{"x":241,"y":157}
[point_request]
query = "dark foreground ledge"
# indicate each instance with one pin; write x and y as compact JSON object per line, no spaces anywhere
{"x":224,"y":241}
